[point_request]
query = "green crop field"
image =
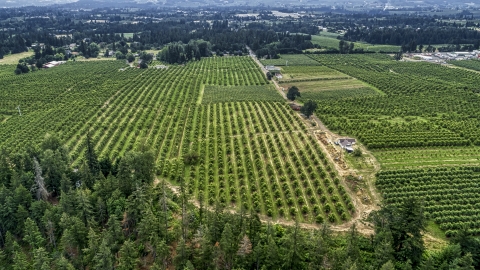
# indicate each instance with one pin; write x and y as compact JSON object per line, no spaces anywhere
{"x":450,"y":195}
{"x":437,"y":110}
{"x":421,"y":126}
{"x":427,"y":157}
{"x":7,"y":70}
{"x":254,"y":151}
{"x":321,"y":82}
{"x":470,"y":64}
{"x":240,"y":93}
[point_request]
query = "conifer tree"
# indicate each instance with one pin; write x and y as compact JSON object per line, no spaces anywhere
{"x":128,"y":257}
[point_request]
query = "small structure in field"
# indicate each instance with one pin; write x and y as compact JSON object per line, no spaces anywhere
{"x":347,"y":144}
{"x":273,"y":69}
{"x":161,"y":67}
{"x":53,"y":64}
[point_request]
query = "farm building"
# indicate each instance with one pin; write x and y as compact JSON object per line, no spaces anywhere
{"x":273,"y":69}
{"x":53,"y":64}
{"x":347,"y":144}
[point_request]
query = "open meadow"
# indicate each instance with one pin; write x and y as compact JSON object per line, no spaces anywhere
{"x":12,"y":59}
{"x":330,"y":41}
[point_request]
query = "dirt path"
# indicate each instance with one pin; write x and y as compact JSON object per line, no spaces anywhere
{"x":279,"y":88}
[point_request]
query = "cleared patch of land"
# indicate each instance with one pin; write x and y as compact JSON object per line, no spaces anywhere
{"x":305,"y":73}
{"x":290,"y":60}
{"x":323,"y":85}
{"x":12,"y":59}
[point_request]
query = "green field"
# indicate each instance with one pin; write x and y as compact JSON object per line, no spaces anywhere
{"x":7,"y":70}
{"x":290,"y":60}
{"x":470,"y":64}
{"x":254,"y":152}
{"x":421,"y":126}
{"x":12,"y":59}
{"x":323,"y":85}
{"x":436,"y":110}
{"x":310,"y":73}
{"x":449,"y":195}
{"x":321,"y":82}
{"x":427,"y":157}
{"x":126,"y":35}
{"x":212,"y":94}
{"x":332,"y":42}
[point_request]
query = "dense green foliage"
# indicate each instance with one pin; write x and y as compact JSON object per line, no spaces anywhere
{"x":94,"y":222}
{"x":308,"y":108}
{"x":293,"y":93}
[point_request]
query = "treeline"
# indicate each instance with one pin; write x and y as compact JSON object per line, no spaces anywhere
{"x":287,"y":44}
{"x":41,"y":56}
{"x":426,"y":36}
{"x":222,"y":30}
{"x":178,"y":53}
{"x":114,"y":215}
{"x":11,"y":44}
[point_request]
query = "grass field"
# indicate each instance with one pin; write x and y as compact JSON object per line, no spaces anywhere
{"x":321,"y":82}
{"x":318,"y":86}
{"x":332,"y":42}
{"x":213,"y":94}
{"x":12,"y":59}
{"x":126,"y":35}
{"x":427,"y":157}
{"x":325,"y":41}
{"x":290,"y":60}
{"x":302,"y":73}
